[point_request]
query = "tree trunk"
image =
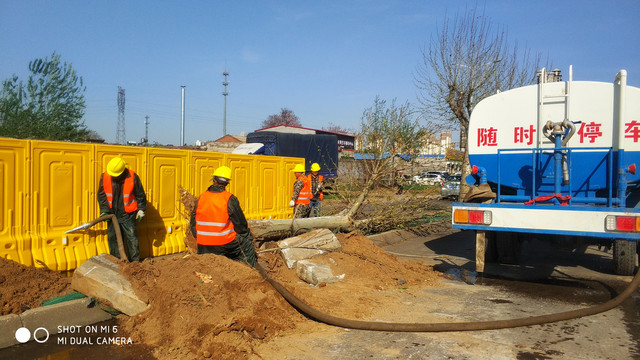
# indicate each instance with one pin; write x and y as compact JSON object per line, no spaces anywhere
{"x":465,"y":171}
{"x":282,"y":228}
{"x":360,"y":200}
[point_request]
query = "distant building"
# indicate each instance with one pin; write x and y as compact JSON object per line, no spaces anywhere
{"x":346,"y":142}
{"x":437,"y":146}
{"x":226,"y":143}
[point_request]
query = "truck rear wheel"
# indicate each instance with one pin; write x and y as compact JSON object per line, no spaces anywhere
{"x":624,"y":256}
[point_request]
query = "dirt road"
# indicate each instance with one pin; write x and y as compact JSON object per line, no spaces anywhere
{"x":546,"y":282}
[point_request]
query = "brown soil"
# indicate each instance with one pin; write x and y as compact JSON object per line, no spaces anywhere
{"x":23,"y":288}
{"x":209,"y":306}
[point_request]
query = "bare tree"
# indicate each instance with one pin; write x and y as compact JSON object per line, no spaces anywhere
{"x":286,"y":117}
{"x":387,"y":130}
{"x":469,"y":60}
{"x":337,"y":129}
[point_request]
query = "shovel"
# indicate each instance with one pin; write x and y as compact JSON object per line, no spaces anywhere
{"x":116,"y":226}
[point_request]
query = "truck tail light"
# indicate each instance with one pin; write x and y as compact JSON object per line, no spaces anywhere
{"x":622,"y":223}
{"x":478,"y":217}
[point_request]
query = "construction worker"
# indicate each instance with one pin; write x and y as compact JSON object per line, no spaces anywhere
{"x":315,"y":181}
{"x":301,"y":193}
{"x":120,"y":192}
{"x":218,"y":223}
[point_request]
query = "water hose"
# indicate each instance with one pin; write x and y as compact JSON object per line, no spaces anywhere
{"x":442,"y":327}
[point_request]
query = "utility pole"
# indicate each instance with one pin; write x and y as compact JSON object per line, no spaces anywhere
{"x":182,"y":123}
{"x":225,"y":93}
{"x":146,"y":129}
{"x":121,"y":137}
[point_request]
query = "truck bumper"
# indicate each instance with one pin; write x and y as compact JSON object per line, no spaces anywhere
{"x":547,"y":219}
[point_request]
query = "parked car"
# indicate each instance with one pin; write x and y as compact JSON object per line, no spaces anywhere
{"x":451,"y":186}
{"x":428,"y":178}
{"x":443,"y":174}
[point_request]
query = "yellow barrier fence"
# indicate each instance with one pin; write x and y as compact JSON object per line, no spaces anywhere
{"x":47,"y":188}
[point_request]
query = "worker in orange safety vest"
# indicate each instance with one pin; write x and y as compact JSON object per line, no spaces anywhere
{"x":120,"y":192}
{"x":316,"y":183}
{"x":301,"y":193}
{"x":218,"y":223}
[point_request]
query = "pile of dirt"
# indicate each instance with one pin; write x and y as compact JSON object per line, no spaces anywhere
{"x":23,"y":288}
{"x":209,"y":306}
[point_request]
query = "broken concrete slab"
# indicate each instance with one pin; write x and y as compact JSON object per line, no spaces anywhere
{"x":8,"y":326}
{"x":79,"y":312}
{"x":100,"y":277}
{"x":322,"y":239}
{"x":293,"y":255}
{"x":307,"y":246}
{"x":315,"y":274}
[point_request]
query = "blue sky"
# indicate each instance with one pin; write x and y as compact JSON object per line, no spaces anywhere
{"x":324,"y":60}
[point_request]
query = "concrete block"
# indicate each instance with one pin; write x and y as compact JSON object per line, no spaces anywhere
{"x":8,"y":326}
{"x":316,"y":273}
{"x":317,"y":239}
{"x":292,"y":255}
{"x":69,"y":313}
{"x":100,"y":278}
{"x":307,"y":246}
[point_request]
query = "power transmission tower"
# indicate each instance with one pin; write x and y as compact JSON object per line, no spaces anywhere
{"x":121,"y":137}
{"x":225,"y":93}
{"x":146,"y":129}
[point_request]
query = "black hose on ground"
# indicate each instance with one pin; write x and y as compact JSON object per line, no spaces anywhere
{"x":441,"y":327}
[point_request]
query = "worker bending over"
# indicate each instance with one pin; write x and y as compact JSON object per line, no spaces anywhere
{"x":218,"y":223}
{"x":120,"y":192}
{"x":301,"y":193}
{"x":315,"y":181}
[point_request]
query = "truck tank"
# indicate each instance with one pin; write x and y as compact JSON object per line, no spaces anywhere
{"x":510,"y":137}
{"x":560,"y":161}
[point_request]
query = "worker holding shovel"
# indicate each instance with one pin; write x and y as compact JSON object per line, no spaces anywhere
{"x":317,"y":184}
{"x":218,"y":223}
{"x":120,"y":192}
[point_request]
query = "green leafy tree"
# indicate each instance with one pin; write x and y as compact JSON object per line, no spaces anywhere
{"x":49,"y":106}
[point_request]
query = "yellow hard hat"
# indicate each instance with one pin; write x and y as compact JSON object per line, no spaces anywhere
{"x":116,"y":166}
{"x":223,"y":172}
{"x":315,"y":167}
{"x":299,"y":168}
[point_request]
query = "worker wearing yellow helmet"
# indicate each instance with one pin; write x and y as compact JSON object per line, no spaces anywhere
{"x":301,"y":193}
{"x":120,"y":192}
{"x":218,"y":223}
{"x":317,"y":185}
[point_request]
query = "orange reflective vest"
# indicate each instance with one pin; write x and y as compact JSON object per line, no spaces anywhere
{"x":128,"y":197}
{"x":320,"y":178}
{"x":305,"y":193}
{"x":213,"y":225}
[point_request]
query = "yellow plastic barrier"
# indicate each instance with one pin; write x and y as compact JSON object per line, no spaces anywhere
{"x":47,"y":188}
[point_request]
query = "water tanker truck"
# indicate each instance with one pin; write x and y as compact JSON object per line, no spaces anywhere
{"x":557,"y":162}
